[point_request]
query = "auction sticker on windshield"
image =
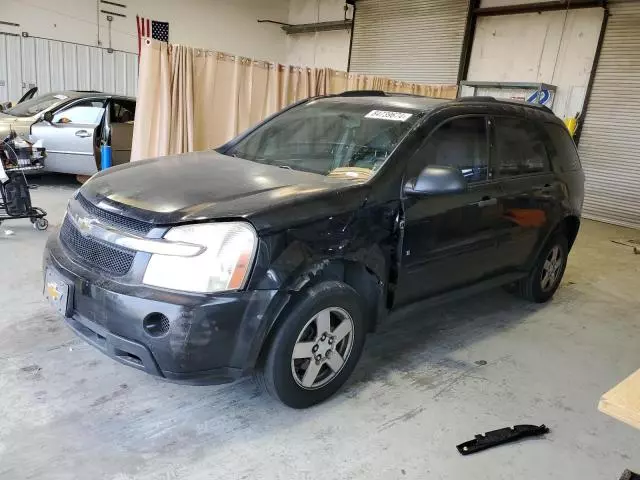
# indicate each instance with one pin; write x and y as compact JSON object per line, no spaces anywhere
{"x":387,"y":115}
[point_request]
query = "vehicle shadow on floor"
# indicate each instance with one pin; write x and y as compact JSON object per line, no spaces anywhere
{"x":420,"y":343}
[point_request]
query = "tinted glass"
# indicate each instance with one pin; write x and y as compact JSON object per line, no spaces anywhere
{"x":122,"y":111}
{"x":87,"y":112}
{"x":333,"y":138}
{"x":519,"y":148}
{"x":564,"y":155}
{"x":461,"y":143}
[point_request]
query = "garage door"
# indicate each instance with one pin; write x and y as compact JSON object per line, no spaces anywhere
{"x":412,"y":40}
{"x":610,"y":141}
{"x":53,"y":65}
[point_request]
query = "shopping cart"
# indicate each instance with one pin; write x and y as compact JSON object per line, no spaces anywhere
{"x":18,"y":156}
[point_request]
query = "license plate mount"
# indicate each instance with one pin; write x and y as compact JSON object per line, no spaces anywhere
{"x":58,"y":292}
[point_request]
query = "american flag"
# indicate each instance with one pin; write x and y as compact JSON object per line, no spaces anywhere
{"x":153,"y":29}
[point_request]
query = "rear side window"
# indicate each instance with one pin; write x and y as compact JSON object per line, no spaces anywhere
{"x":519,"y":148}
{"x":122,"y":111}
{"x":564,"y":155}
{"x":460,"y":143}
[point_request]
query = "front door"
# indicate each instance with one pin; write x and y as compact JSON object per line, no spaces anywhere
{"x":69,"y":140}
{"x":450,"y":240}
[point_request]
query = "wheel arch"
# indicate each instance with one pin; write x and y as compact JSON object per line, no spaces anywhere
{"x":571,"y":226}
{"x":367,"y":284}
{"x":568,"y":225}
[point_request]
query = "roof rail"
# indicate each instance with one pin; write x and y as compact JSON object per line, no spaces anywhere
{"x":505,"y":100}
{"x":363,"y":93}
{"x":479,"y":98}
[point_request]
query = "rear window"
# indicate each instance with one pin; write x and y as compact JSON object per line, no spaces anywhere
{"x":564,"y":155}
{"x":519,"y":148}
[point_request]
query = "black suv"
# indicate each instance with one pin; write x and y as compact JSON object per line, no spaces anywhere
{"x":277,"y":253}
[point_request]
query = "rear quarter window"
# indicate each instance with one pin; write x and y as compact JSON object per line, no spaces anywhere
{"x":563,"y":152}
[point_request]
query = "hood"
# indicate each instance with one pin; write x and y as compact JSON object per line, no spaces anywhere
{"x":208,"y":185}
{"x":20,"y":125}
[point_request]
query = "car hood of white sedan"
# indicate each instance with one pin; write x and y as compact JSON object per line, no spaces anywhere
{"x":20,"y":125}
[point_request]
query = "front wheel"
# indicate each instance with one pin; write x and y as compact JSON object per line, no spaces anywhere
{"x":316,"y":347}
{"x":544,"y":279}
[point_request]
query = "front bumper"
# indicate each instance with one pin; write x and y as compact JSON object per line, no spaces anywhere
{"x":210,"y":338}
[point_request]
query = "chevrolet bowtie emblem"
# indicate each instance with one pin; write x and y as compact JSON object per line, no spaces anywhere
{"x":53,"y":291}
{"x":84,"y":224}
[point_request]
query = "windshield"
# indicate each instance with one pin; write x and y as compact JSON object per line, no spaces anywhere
{"x":36,"y":105}
{"x":336,"y":139}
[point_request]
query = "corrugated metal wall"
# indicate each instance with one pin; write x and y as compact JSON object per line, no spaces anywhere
{"x":412,"y":40}
{"x":10,"y":67}
{"x":610,"y":140}
{"x":52,"y":65}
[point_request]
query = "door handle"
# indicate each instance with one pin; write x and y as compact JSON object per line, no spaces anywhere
{"x":82,"y":134}
{"x":486,"y":201}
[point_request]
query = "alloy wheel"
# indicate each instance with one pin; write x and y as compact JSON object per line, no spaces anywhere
{"x":322,"y":348}
{"x":551,"y":268}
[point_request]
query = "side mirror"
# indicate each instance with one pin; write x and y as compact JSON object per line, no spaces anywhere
{"x":48,"y":116}
{"x":436,"y":180}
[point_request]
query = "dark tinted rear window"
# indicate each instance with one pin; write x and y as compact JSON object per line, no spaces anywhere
{"x":563,"y":153}
{"x":519,"y":148}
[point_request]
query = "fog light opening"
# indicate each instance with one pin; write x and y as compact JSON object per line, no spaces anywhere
{"x":156,"y":324}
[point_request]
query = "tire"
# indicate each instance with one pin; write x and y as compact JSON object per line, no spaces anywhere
{"x":538,"y":286}
{"x":307,"y":380}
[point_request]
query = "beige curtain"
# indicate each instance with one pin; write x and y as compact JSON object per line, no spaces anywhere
{"x":191,"y":99}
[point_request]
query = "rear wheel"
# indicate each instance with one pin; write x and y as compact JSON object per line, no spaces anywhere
{"x":544,"y":279}
{"x":316,"y":347}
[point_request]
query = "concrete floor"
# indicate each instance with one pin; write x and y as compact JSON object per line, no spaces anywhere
{"x":66,"y":411}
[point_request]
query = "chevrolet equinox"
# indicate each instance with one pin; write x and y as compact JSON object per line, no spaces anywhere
{"x":275,"y":254}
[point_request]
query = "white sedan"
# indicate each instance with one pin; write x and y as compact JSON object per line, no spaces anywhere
{"x":72,"y":125}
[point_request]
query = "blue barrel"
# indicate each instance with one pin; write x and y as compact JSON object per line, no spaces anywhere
{"x":105,"y":157}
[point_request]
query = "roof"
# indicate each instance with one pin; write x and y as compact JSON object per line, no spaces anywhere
{"x":89,"y":93}
{"x":420,"y":103}
{"x":386,"y":100}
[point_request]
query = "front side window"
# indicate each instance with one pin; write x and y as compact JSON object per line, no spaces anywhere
{"x":460,"y":143}
{"x":519,"y":148}
{"x":330,"y":137}
{"x":86,"y":112}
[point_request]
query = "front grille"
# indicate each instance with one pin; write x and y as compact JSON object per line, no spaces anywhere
{"x":110,"y":259}
{"x":118,"y":221}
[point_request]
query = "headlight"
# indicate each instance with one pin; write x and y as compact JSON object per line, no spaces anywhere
{"x":224,"y":264}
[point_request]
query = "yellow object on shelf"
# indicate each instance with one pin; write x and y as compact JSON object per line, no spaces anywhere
{"x":572,"y":124}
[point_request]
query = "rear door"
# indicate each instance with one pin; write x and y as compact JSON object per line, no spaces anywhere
{"x":70,"y":139}
{"x":450,"y":239}
{"x":528,"y":203}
